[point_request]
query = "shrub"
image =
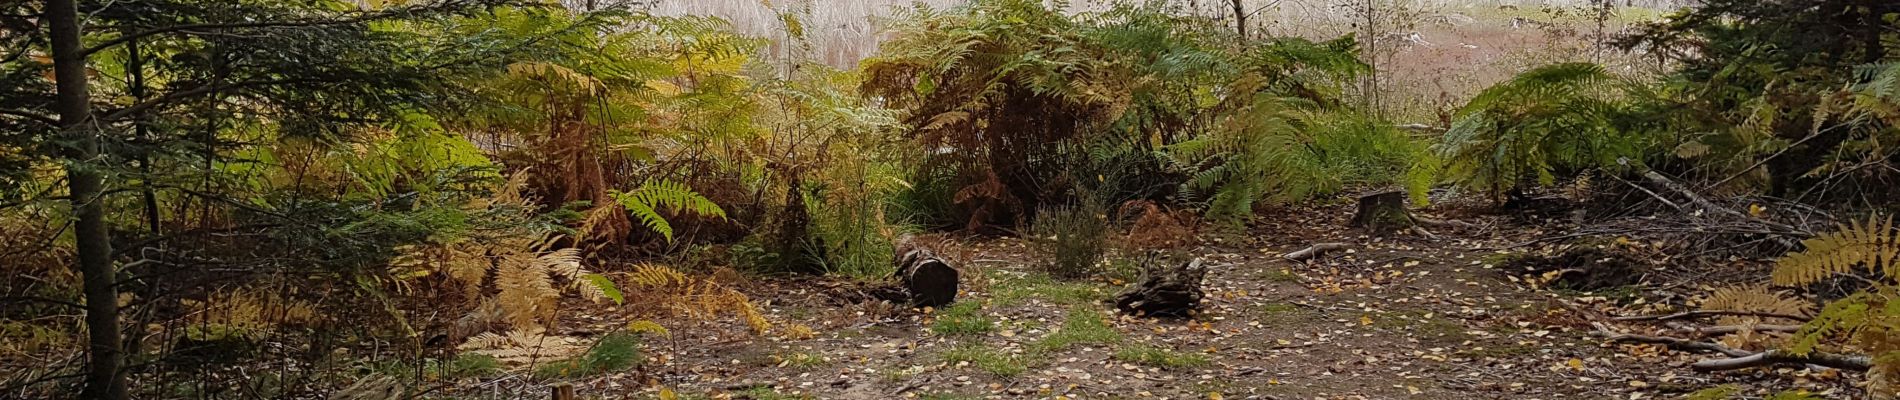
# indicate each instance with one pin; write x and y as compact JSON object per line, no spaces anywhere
{"x":1073,"y":238}
{"x":1526,"y":132}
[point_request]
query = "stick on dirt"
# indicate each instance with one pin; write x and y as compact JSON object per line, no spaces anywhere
{"x":1707,"y":313}
{"x":1854,"y":362}
{"x":1315,"y":250}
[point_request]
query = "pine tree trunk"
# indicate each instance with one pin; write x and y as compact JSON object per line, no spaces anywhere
{"x":86,"y":185}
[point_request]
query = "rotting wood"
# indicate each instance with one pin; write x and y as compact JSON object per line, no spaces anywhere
{"x":1382,"y":212}
{"x":1163,"y":291}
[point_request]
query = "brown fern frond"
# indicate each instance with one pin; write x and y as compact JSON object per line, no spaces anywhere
{"x":1872,"y":244}
{"x":702,"y":299}
{"x":247,"y":310}
{"x":1756,"y":299}
{"x":527,"y":293}
{"x":1753,"y":299}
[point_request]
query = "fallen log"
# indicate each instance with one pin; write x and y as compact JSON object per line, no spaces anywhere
{"x":1852,"y":362}
{"x":1164,"y":292}
{"x":1740,"y":359}
{"x":928,"y":281}
{"x":1315,"y":251}
{"x":1705,"y":313}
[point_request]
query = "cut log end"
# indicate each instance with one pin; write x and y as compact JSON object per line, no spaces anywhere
{"x":1383,"y":212}
{"x":927,"y":281}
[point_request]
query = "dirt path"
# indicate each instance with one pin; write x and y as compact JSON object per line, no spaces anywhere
{"x":1390,"y":319}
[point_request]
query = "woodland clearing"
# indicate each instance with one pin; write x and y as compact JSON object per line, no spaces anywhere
{"x":1183,"y":199}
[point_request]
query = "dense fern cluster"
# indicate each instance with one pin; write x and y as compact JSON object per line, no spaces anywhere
{"x":1524,"y":133}
{"x":1027,"y":104}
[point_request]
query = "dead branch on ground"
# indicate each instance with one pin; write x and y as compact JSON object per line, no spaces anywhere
{"x":1853,"y":362}
{"x":1315,"y":251}
{"x":1707,"y":313}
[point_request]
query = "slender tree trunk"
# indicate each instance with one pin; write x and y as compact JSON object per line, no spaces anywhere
{"x":135,"y":62}
{"x":1240,"y":18}
{"x":1371,"y":37}
{"x":86,"y":184}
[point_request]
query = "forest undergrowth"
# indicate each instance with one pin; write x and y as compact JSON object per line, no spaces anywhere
{"x":990,"y":199}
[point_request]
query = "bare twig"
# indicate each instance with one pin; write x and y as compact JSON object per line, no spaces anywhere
{"x":1675,"y":343}
{"x":1315,"y":250}
{"x":1645,"y":190}
{"x":1728,"y":329}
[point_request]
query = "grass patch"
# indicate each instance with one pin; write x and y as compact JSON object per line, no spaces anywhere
{"x":1084,"y":325}
{"x":473,"y":365}
{"x":1279,"y":275}
{"x":1160,"y":357}
{"x":767,"y":393}
{"x":1715,"y":393}
{"x":1014,"y":291}
{"x":986,"y":358}
{"x":1284,"y":313}
{"x":613,"y":353}
{"x":948,"y":396}
{"x":962,"y":319}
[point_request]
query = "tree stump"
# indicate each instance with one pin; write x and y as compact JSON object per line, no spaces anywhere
{"x":1165,"y":292}
{"x":1382,"y":212}
{"x":928,"y":281}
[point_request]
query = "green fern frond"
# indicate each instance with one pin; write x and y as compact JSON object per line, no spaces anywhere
{"x":1556,"y":117}
{"x":1840,"y":316}
{"x":644,"y":204}
{"x":598,"y":286}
